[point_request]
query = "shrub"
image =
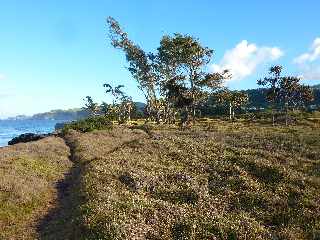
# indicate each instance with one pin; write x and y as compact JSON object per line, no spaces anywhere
{"x":89,"y":124}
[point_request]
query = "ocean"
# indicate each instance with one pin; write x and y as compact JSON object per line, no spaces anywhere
{"x":13,"y":128}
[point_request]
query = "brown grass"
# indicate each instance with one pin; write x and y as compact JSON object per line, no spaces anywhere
{"x":28,"y":173}
{"x":218,"y":180}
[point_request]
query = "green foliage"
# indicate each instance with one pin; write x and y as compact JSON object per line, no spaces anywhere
{"x":180,"y":65}
{"x":105,"y":108}
{"x":234,"y":99}
{"x":176,"y":72}
{"x":140,"y":63}
{"x":286,"y":91}
{"x":90,"y":105}
{"x":89,"y":124}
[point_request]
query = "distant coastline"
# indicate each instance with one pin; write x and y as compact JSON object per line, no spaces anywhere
{"x":62,"y":115}
{"x":57,"y":115}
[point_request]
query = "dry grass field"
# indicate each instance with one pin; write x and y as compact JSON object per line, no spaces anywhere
{"x":216,"y":180}
{"x":29,"y":174}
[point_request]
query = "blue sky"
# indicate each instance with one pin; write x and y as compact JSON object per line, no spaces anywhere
{"x":53,"y":53}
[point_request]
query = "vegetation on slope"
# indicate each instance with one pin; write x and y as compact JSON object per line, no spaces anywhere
{"x":217,"y":180}
{"x":28,"y":177}
{"x":88,"y":124}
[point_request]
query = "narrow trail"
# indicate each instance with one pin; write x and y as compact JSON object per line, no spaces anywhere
{"x":57,"y":222}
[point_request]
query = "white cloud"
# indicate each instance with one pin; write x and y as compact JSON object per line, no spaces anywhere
{"x":2,"y":76}
{"x":309,"y":62}
{"x":310,"y":56}
{"x":244,"y":58}
{"x":309,"y":71}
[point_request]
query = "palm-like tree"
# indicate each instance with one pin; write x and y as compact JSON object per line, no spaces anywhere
{"x":118,"y":98}
{"x":90,"y":105}
{"x":116,"y":92}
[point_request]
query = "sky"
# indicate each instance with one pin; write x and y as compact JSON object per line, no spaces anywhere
{"x":53,"y":53}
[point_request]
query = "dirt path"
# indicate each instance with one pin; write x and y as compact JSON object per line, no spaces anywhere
{"x":60,"y":222}
{"x":34,"y":180}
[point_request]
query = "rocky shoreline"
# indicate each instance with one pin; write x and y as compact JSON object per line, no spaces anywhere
{"x":30,"y":137}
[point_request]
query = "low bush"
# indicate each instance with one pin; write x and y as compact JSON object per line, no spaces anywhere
{"x":89,"y":124}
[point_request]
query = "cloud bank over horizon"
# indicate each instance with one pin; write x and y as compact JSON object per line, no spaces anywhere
{"x":244,"y":59}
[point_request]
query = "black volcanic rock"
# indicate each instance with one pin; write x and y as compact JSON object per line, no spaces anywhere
{"x":28,"y":137}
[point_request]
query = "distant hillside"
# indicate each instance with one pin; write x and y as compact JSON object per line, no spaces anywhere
{"x":257,"y":97}
{"x":71,"y":114}
{"x":316,"y":86}
{"x":66,"y":115}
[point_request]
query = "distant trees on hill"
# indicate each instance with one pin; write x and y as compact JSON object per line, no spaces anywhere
{"x":285,"y":92}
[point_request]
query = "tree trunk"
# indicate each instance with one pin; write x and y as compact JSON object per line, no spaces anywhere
{"x":193,"y":97}
{"x":129,"y":113}
{"x":273,"y":113}
{"x":230,"y":111}
{"x":286,"y":109}
{"x":286,"y":114}
{"x":273,"y":117}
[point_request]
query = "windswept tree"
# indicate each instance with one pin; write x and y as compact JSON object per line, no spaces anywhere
{"x":115,"y":92}
{"x":90,"y":105}
{"x":180,"y":62}
{"x":272,"y":83}
{"x":140,"y":63}
{"x":233,"y":99}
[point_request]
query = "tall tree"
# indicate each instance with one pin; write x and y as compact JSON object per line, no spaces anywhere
{"x":292,"y":94}
{"x":192,"y":57}
{"x":140,"y":63}
{"x":183,"y":59}
{"x":272,"y":83}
